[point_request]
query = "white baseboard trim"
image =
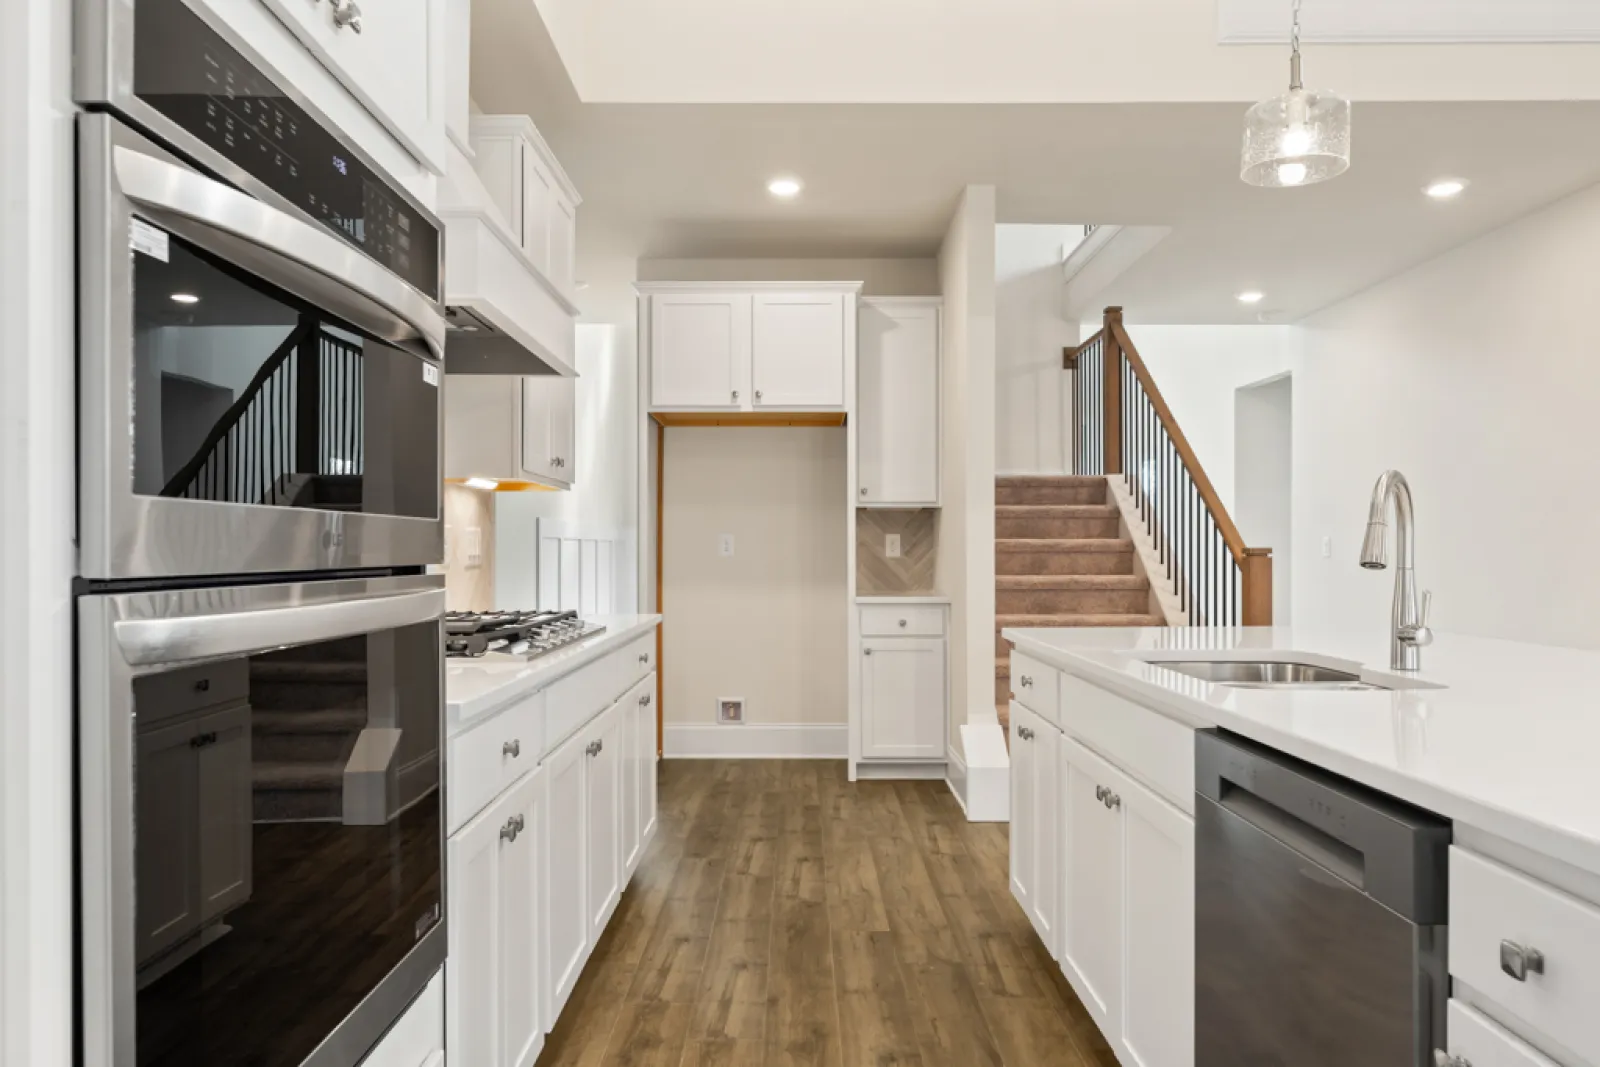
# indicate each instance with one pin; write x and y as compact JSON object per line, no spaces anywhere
{"x":901,"y":770}
{"x":756,"y":741}
{"x":956,"y":775}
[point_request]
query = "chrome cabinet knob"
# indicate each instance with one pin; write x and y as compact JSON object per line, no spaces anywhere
{"x":512,"y":828}
{"x":1518,"y":961}
{"x":902,"y":624}
{"x":1100,"y":793}
{"x":644,"y":701}
{"x":1442,"y":1058}
{"x":863,"y":490}
{"x":347,"y":13}
{"x":1025,"y":733}
{"x":758,"y":396}
{"x":592,"y":748}
{"x":736,"y":394}
{"x":866,"y":651}
{"x":1027,"y":683}
{"x":512,"y":748}
{"x":1112,"y":801}
{"x":645,"y":659}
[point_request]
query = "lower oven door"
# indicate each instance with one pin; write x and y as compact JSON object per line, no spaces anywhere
{"x":260,"y":796}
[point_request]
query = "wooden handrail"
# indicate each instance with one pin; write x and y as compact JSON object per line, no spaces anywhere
{"x":1069,"y":354}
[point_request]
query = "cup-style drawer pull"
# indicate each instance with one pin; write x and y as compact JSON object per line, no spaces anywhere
{"x":644,"y":701}
{"x":1518,"y":961}
{"x":512,"y":748}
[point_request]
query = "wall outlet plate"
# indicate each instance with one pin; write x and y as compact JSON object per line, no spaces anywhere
{"x":474,"y":546}
{"x":730,"y":711}
{"x":891,"y":546}
{"x":725,"y":545}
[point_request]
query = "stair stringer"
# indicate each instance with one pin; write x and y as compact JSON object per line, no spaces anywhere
{"x":1164,"y":598}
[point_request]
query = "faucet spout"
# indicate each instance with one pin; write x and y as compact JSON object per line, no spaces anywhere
{"x":1411,"y":631}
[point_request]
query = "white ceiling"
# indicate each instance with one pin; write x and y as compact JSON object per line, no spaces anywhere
{"x":688,"y":180}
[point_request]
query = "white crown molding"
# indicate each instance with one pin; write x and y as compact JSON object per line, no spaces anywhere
{"x":652,"y":288}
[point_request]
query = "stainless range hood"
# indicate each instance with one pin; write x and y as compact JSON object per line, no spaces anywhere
{"x":476,"y":345}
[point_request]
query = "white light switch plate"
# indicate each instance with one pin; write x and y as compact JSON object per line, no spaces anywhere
{"x":725,"y":544}
{"x":891,"y":545}
{"x":474,"y":546}
{"x":1327,"y":548}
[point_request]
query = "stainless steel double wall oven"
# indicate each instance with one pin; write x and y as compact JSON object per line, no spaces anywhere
{"x":260,"y":709}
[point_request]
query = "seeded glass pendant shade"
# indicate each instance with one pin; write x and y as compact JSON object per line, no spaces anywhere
{"x":1299,"y":138}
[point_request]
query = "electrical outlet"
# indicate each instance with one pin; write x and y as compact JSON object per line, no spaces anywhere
{"x":891,"y":546}
{"x":730,"y":711}
{"x":474,"y":546}
{"x":725,"y":544}
{"x":1327,"y":548}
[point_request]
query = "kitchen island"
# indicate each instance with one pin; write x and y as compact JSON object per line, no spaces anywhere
{"x":1498,"y":737}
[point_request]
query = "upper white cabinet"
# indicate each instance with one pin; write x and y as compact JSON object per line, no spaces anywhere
{"x":897,"y":403}
{"x":511,"y":429}
{"x":458,"y":73}
{"x":727,"y":347}
{"x":390,"y":55}
{"x":798,"y":353}
{"x":535,"y":197}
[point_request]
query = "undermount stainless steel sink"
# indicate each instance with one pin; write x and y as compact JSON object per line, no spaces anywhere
{"x":1267,"y":675}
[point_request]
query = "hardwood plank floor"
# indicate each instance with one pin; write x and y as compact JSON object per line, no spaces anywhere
{"x":784,"y":917}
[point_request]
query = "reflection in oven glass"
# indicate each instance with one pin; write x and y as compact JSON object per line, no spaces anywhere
{"x":287,"y":843}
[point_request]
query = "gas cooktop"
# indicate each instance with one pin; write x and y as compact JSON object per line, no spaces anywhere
{"x":513,"y":634}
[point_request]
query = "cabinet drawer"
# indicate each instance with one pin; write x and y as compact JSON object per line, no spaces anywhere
{"x":1482,"y":1043}
{"x":912,"y":620}
{"x":1035,"y":685}
{"x":1494,"y":911}
{"x":1146,"y":744}
{"x":486,"y":759}
{"x":171,"y":694}
{"x":585,"y":693}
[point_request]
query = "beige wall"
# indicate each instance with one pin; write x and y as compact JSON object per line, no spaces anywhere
{"x":769,"y":623}
{"x":880,"y":277}
{"x":468,"y":588}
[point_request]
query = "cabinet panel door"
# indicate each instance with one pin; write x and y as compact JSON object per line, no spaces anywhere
{"x":563,"y":415}
{"x":472,"y":1024}
{"x":1022,"y":808}
{"x":603,"y":782}
{"x":1044,"y":827}
{"x":517,"y":893}
{"x":565,"y":866}
{"x":394,"y":65}
{"x":1158,"y":945}
{"x":699,"y":350}
{"x":538,"y":452}
{"x":902,"y":698}
{"x":225,"y":810}
{"x":897,"y":406}
{"x":648,"y":747}
{"x":798,"y":355}
{"x":563,"y":241}
{"x":1091,"y":879}
{"x":538,"y":200}
{"x":166,"y":798}
{"x":632,"y":781}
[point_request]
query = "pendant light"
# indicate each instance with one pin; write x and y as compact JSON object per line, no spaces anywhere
{"x":1299,"y":138}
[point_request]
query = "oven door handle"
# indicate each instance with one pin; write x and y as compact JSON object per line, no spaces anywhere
{"x":282,"y":249}
{"x":198,"y":637}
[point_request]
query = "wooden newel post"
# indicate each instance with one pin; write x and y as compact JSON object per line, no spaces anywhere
{"x":1256,"y":581}
{"x":1112,"y":387}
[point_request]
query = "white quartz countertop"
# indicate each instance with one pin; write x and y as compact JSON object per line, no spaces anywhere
{"x":474,"y":688}
{"x":1509,"y":745}
{"x":908,"y":598}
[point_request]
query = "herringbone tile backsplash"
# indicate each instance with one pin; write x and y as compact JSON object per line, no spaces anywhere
{"x":912,"y":572}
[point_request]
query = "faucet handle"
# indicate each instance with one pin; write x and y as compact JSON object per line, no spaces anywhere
{"x":1419,"y":635}
{"x":1427,"y":608}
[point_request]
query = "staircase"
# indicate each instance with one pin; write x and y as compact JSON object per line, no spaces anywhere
{"x":308,"y":705}
{"x":1061,"y":560}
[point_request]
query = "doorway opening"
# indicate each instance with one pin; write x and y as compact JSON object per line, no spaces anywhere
{"x":1263,"y":456}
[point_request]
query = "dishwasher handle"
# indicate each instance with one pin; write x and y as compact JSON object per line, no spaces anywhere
{"x":1393,"y":852}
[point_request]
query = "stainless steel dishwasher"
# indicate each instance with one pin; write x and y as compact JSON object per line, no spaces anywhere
{"x":1319,"y":916}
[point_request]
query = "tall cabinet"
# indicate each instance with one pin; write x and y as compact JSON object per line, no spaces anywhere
{"x":897,"y":403}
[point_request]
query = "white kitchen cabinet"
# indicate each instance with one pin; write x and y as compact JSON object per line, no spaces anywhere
{"x":533,"y":193}
{"x":603,"y":818}
{"x":391,"y":56}
{"x":902,"y":698}
{"x":1035,"y":821}
{"x":700,"y":350}
{"x":752,"y":348}
{"x":798,"y":351}
{"x":565,"y":871}
{"x":1477,"y":1041}
{"x":194,"y":793}
{"x":417,"y":1038}
{"x":897,"y":403}
{"x":458,"y":73}
{"x":1091,"y":883}
{"x":1023,"y":773}
{"x":638,"y":770}
{"x":648,"y":740}
{"x":549,"y":413}
{"x":495,"y":1009}
{"x":1157,"y":1016}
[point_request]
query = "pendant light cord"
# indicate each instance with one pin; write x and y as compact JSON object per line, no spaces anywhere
{"x":1294,"y":49}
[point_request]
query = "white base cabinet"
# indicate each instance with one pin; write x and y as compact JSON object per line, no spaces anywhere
{"x":1104,"y":866}
{"x":902,"y":697}
{"x":418,"y":1038}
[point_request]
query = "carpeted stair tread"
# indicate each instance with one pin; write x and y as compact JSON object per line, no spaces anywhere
{"x":1071,"y":581}
{"x":1036,"y":481}
{"x":1113,"y":545}
{"x":1065,"y":511}
{"x":1047,"y":621}
{"x":308,"y":671}
{"x":297,"y":777}
{"x":329,"y":721}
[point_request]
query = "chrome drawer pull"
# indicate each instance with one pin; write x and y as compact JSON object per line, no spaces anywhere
{"x":645,"y":700}
{"x":512,"y":828}
{"x":645,"y":659}
{"x":1027,"y":683}
{"x":512,"y":748}
{"x":1518,"y":961}
{"x":1444,"y":1059}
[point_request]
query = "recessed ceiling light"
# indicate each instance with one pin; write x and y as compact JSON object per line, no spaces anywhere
{"x":481,"y":483}
{"x":1446,"y":188}
{"x":784,"y":188}
{"x":185,"y":298}
{"x":1251,"y":296}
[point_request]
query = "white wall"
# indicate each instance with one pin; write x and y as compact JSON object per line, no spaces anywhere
{"x":1264,"y":477}
{"x":1475,"y":374}
{"x":965,"y":567}
{"x":604,"y":501}
{"x":36,"y":528}
{"x":767,"y":623}
{"x":1031,"y":388}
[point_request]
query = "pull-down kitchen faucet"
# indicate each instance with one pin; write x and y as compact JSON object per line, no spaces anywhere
{"x":1411,"y":633}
